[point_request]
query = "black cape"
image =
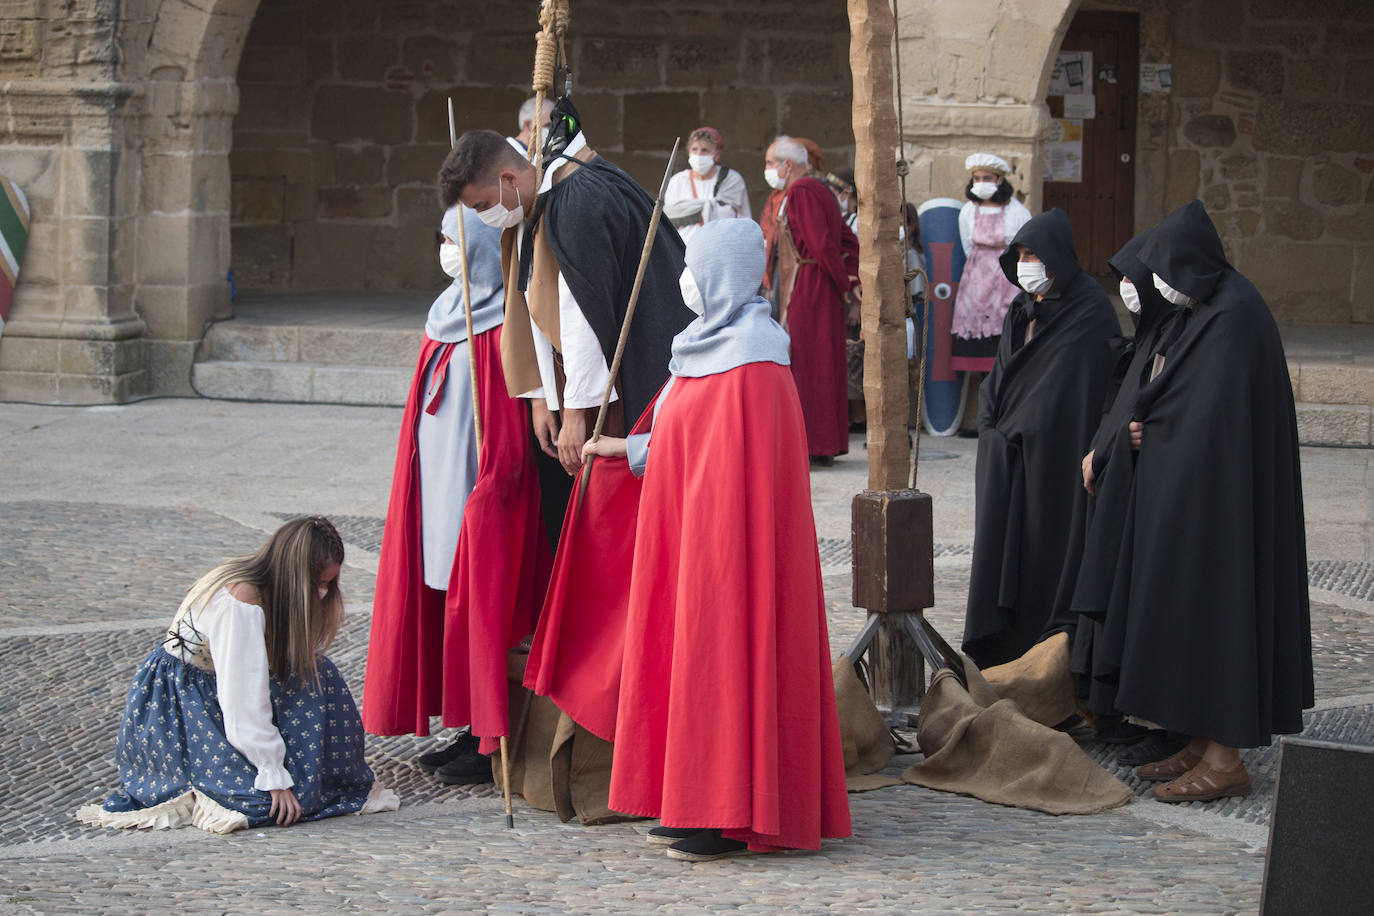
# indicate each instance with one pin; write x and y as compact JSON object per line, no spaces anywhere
{"x":596,"y":219}
{"x":1216,"y":635}
{"x":1096,"y":658}
{"x":1038,"y":409}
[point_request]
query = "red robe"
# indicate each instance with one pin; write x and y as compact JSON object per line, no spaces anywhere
{"x":576,"y":656}
{"x":503,"y":560}
{"x":727,"y":706}
{"x":815,"y":315}
{"x":429,"y":651}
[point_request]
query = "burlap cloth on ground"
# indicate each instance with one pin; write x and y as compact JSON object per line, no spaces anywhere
{"x":559,"y":765}
{"x":864,"y":736}
{"x":983,"y":742}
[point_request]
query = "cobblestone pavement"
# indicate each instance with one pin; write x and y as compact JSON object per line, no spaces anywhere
{"x":87,"y":586}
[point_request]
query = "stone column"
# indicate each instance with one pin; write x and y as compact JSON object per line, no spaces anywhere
{"x":73,"y":334}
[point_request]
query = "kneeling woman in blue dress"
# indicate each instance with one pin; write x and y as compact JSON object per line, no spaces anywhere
{"x":237,"y":719}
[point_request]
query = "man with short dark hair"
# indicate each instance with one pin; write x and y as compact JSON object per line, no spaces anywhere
{"x":570,"y":253}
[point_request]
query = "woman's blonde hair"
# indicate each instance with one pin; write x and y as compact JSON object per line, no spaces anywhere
{"x":299,"y":624}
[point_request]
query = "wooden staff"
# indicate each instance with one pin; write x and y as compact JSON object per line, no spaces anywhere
{"x":476,"y":416}
{"x":625,"y":324}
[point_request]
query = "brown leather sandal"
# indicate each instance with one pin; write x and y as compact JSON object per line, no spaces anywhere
{"x":1204,"y":783}
{"x":1168,"y":768}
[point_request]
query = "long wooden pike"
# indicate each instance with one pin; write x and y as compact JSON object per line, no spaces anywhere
{"x":476,"y":416}
{"x":625,"y":324}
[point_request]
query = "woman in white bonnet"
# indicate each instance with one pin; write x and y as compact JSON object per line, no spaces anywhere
{"x":987,"y":224}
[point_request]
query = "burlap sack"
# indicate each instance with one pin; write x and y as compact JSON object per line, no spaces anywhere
{"x":997,"y":754}
{"x":558,"y":766}
{"x":864,"y":736}
{"x":1039,"y":681}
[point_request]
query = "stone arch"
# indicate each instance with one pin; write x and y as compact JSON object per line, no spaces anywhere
{"x":974,"y":78}
{"x":185,"y":59}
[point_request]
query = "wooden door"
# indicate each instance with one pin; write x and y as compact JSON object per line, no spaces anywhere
{"x":1101,"y":206}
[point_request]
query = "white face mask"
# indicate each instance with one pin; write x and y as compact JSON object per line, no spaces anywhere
{"x":451,"y":259}
{"x":691,"y":293}
{"x":1130,"y":296}
{"x":701,"y":164}
{"x":322,"y":592}
{"x":983,"y":190}
{"x":1033,"y":277}
{"x":775,"y":181}
{"x":497,"y":216}
{"x":1173,"y":295}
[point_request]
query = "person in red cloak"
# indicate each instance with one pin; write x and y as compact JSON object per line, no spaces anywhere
{"x":811,"y":280}
{"x":725,"y":645}
{"x":442,"y":622}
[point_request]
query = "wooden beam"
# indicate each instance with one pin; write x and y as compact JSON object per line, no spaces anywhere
{"x":881,"y":266}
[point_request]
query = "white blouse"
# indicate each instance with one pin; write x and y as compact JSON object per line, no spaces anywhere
{"x":235,"y":634}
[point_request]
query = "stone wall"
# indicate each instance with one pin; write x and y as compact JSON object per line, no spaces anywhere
{"x":1272,"y":126}
{"x":342,"y":122}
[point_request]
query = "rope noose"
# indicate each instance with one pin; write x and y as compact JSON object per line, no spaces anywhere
{"x":549,"y":52}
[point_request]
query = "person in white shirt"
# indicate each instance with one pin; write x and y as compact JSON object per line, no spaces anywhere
{"x":705,"y":190}
{"x":237,"y":719}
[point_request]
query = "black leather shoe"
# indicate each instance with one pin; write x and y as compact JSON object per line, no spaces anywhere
{"x":467,"y":770}
{"x":1155,"y":746}
{"x":666,"y":836}
{"x":1121,"y":732}
{"x":464,"y":744}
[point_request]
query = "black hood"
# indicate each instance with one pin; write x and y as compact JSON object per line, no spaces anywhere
{"x":1186,"y":252}
{"x":1050,"y":238}
{"x":1126,"y":263}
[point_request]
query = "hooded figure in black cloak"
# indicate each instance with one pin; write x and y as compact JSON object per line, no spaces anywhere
{"x":1108,"y":473}
{"x":1038,"y":410}
{"x":1216,"y":636}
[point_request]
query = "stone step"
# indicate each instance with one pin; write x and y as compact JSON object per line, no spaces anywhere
{"x":1336,"y":424}
{"x":244,"y":341}
{"x":1317,"y":381}
{"x":305,"y":382}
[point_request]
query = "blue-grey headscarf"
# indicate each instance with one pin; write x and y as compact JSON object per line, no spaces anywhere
{"x":446,"y":322}
{"x":726,"y":259}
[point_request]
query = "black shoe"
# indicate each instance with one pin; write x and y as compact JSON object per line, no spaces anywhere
{"x":1120,"y":731}
{"x":968,"y":434}
{"x":463,"y":745}
{"x":706,"y":846}
{"x":822,"y":461}
{"x":468,"y":770}
{"x":666,"y":836}
{"x":1155,"y":746}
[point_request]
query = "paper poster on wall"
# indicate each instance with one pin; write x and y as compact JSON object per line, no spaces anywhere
{"x":1156,"y":78}
{"x":1073,"y":73}
{"x":1080,"y":106}
{"x":1063,"y":152}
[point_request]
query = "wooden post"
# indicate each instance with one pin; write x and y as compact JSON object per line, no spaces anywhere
{"x":893,"y":537}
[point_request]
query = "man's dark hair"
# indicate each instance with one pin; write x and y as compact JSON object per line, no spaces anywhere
{"x":477,"y":155}
{"x":1004,"y":192}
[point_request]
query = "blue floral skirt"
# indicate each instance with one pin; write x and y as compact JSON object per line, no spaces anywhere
{"x":177,"y":766}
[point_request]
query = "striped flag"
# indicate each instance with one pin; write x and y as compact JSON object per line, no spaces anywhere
{"x":14,"y":234}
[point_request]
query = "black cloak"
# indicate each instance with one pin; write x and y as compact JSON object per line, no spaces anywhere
{"x":1038,"y":409}
{"x":596,"y":219}
{"x":1096,"y":650}
{"x":1216,"y":635}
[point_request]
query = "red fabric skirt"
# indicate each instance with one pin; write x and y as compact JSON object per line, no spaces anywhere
{"x":576,"y":657}
{"x":503,"y":562}
{"x":405,"y":665}
{"x":815,"y":322}
{"x":727,"y":705}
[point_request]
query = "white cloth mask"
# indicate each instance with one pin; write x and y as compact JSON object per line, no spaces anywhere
{"x":1130,"y":296}
{"x":451,"y":259}
{"x":1173,"y":295}
{"x":1033,"y":277}
{"x":775,"y":181}
{"x":691,"y":293}
{"x":983,"y":190}
{"x":497,"y":216}
{"x":701,"y":164}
